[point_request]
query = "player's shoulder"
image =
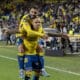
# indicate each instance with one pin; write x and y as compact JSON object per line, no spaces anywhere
{"x":25,"y":18}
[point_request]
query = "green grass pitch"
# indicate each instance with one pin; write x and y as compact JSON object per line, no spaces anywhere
{"x":59,"y":68}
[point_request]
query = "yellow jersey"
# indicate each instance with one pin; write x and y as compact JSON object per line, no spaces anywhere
{"x":31,"y":38}
{"x":25,"y":19}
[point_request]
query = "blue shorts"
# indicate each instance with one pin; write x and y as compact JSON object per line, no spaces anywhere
{"x":41,"y":58}
{"x":19,"y":41}
{"x":21,"y":62}
{"x":32,"y":62}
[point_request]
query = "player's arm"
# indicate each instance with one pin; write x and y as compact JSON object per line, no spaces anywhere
{"x":34,"y":33}
{"x":57,"y":35}
{"x":30,"y":32}
{"x":10,"y":31}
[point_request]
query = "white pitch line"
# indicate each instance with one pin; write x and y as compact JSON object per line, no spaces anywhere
{"x":8,"y":58}
{"x":60,"y":70}
{"x":52,"y":68}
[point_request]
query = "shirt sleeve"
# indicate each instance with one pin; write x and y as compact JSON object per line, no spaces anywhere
{"x":30,"y":32}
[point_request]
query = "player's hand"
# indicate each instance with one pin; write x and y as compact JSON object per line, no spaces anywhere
{"x":45,"y":36}
{"x":64,"y":36}
{"x":21,"y":48}
{"x":39,"y":49}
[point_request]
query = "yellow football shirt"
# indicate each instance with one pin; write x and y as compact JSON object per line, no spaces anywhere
{"x":31,"y":39}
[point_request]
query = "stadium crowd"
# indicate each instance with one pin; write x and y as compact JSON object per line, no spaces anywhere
{"x":62,"y":17}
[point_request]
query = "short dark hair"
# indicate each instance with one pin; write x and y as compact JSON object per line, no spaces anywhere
{"x":34,"y":6}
